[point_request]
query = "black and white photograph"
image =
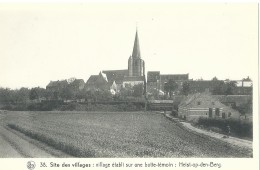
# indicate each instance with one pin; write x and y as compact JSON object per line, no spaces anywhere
{"x":129,"y":80}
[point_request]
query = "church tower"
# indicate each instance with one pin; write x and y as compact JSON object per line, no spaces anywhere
{"x":136,"y":66}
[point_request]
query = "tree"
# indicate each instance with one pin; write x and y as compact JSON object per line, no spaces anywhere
{"x":125,"y":92}
{"x":170,"y":87}
{"x":219,"y":87}
{"x":6,"y":95}
{"x":103,"y":95}
{"x":66,"y":93}
{"x":153,"y":93}
{"x":247,"y":79}
{"x":215,"y":79}
{"x":230,"y":87}
{"x":33,"y":94}
{"x":138,"y":90}
{"x":37,"y":93}
{"x":21,"y":95}
{"x":185,"y":88}
{"x":245,"y":107}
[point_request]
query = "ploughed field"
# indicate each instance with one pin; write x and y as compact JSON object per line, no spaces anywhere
{"x":105,"y":134}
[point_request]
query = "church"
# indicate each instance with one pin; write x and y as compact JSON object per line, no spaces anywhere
{"x":114,"y":80}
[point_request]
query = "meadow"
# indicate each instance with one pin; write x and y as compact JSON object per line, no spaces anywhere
{"x":117,"y":134}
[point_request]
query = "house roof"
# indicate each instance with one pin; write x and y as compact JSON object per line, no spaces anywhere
{"x":153,"y":76}
{"x":188,"y":99}
{"x":57,"y":83}
{"x":206,"y":97}
{"x":78,"y":81}
{"x":92,"y":79}
{"x":103,"y":75}
{"x":51,"y":84}
{"x":206,"y":101}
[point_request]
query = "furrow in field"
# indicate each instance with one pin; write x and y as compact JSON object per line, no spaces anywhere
{"x":23,"y":147}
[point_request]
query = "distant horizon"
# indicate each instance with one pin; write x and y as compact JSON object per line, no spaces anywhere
{"x":50,"y":42}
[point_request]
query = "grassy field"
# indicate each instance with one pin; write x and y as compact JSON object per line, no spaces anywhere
{"x":117,"y":134}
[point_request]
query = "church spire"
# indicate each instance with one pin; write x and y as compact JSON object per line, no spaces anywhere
{"x":136,"y":49}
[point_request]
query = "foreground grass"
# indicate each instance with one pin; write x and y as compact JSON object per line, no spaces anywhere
{"x":132,"y":134}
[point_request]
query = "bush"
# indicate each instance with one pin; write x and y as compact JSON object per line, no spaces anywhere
{"x":237,"y":128}
{"x":15,"y":107}
{"x":45,"y":106}
{"x":7,"y":107}
{"x":72,"y":106}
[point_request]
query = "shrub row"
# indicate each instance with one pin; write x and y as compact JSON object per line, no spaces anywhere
{"x":101,"y":107}
{"x":237,"y":128}
{"x":60,"y":106}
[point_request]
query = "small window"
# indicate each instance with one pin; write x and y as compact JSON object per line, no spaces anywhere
{"x":199,"y":103}
{"x":223,"y":115}
{"x":229,"y":114}
{"x":213,"y":103}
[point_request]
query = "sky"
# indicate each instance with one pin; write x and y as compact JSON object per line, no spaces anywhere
{"x":44,"y":42}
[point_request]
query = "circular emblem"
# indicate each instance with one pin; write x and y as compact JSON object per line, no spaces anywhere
{"x":31,"y":165}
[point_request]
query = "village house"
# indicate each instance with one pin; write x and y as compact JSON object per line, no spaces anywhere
{"x":101,"y":82}
{"x":57,"y":85}
{"x":77,"y":84}
{"x":205,"y":105}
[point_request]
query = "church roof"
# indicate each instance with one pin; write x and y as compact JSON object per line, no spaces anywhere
{"x":116,"y":75}
{"x":134,"y":78}
{"x":136,"y":49}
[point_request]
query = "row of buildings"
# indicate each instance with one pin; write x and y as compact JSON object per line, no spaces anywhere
{"x":198,"y":103}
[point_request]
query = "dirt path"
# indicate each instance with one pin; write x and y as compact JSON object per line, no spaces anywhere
{"x":6,"y":149}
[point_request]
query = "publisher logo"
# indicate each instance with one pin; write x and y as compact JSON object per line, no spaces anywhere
{"x":31,"y":165}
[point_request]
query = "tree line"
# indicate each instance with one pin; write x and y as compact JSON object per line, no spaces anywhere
{"x":36,"y":94}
